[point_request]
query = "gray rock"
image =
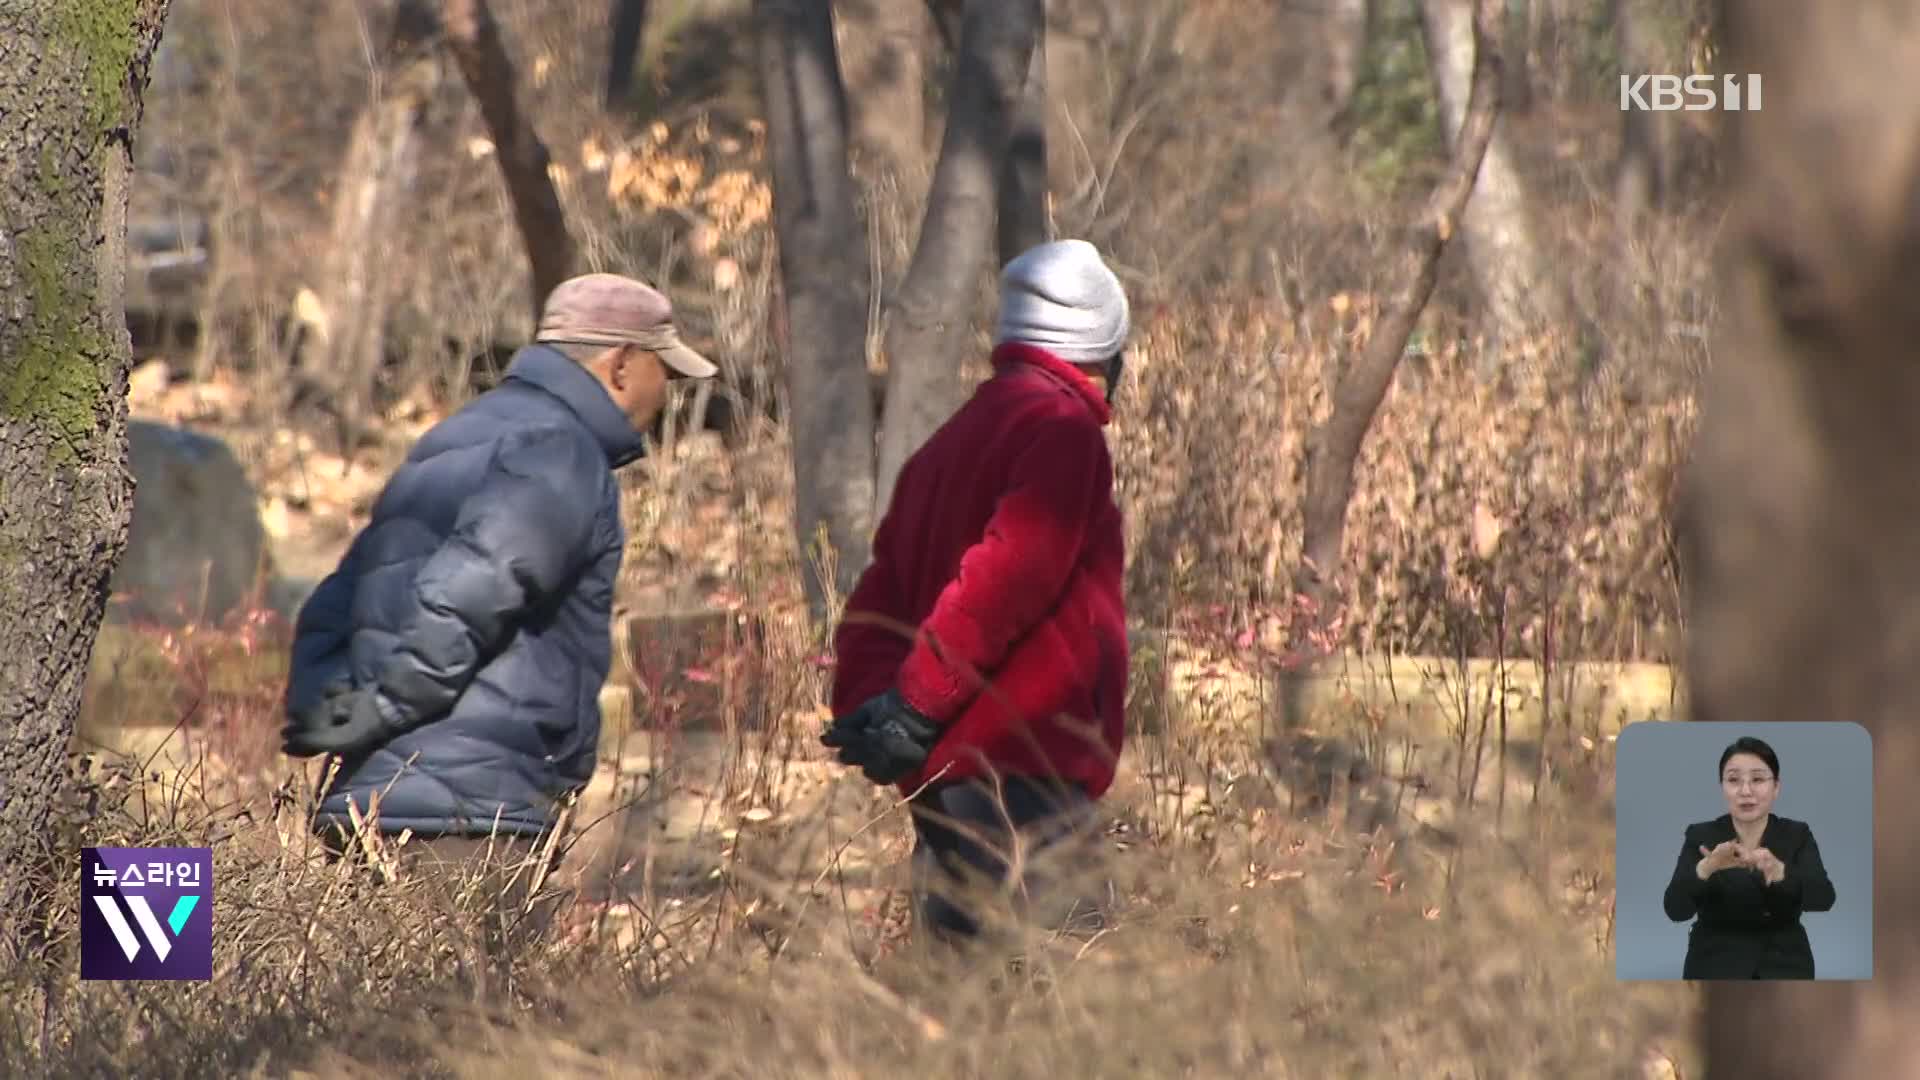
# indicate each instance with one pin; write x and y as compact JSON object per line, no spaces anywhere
{"x":196,"y":549}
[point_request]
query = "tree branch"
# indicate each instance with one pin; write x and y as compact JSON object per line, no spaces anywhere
{"x":474,"y":39}
{"x":1361,"y":388}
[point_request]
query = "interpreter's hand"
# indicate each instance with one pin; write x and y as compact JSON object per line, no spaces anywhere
{"x":885,"y":738}
{"x":1725,"y":857}
{"x":346,"y":724}
{"x":1771,"y":868}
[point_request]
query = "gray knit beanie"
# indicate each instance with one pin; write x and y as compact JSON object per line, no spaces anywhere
{"x":1061,"y":297}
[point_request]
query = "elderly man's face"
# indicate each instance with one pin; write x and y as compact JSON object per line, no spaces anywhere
{"x":636,"y":380}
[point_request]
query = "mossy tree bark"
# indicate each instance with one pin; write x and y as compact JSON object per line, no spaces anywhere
{"x":71,"y":77}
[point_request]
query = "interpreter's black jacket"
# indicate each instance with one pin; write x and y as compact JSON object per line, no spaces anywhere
{"x":1745,"y":928}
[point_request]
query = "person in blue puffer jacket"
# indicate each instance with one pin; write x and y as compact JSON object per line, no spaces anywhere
{"x":454,"y":659}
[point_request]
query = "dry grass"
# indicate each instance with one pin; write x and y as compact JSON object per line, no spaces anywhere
{"x":1268,"y":919}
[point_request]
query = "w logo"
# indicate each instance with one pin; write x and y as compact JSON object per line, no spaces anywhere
{"x":150,"y":926}
{"x":146,"y":913}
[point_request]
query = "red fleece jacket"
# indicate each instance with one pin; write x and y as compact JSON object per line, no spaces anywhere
{"x":994,"y":598}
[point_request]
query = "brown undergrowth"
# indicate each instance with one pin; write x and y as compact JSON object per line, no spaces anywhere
{"x":1264,"y":919}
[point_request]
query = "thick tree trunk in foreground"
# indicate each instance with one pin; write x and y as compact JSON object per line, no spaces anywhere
{"x":1803,"y":515}
{"x":928,"y":327}
{"x":823,"y":274}
{"x":474,"y":39}
{"x":71,"y":77}
{"x":369,"y":205}
{"x":1363,"y":385}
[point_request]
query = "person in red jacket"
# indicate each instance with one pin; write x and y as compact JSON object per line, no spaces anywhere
{"x":981,"y":664}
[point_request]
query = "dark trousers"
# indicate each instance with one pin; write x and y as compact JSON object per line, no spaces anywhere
{"x":488,"y":878}
{"x":1027,"y":837}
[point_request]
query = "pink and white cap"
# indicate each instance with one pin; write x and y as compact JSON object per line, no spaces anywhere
{"x":611,"y":310}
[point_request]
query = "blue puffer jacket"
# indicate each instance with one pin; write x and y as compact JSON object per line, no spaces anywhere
{"x":479,"y":602}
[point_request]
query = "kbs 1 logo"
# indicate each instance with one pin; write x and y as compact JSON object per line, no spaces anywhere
{"x":1691,"y":93}
{"x":146,"y":913}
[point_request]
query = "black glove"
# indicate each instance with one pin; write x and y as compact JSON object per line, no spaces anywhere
{"x":885,"y":738}
{"x":320,"y":713}
{"x":345,"y":723}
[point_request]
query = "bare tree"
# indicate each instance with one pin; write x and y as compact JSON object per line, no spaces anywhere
{"x":886,"y":71}
{"x":1348,"y":24}
{"x":946,"y":21}
{"x":1801,"y":519}
{"x":369,"y":203}
{"x":72,"y":73}
{"x":1023,"y":215}
{"x":1640,"y":174}
{"x":823,"y":272}
{"x":886,"y":112}
{"x":824,"y":285}
{"x":929,"y":317}
{"x":1516,"y":92}
{"x":1498,"y":229}
{"x":1363,"y":384}
{"x":370,"y":199}
{"x":474,"y":39}
{"x":624,"y":39}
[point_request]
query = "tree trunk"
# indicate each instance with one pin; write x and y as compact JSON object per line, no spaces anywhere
{"x":474,"y":39}
{"x":1516,"y":92}
{"x":1023,"y":218}
{"x":928,"y":326}
{"x":369,"y":204}
{"x":623,"y":48}
{"x":1498,"y":230}
{"x":1363,"y":384}
{"x":885,"y":62}
{"x":947,"y":15}
{"x":71,"y":77}
{"x":1804,"y":586}
{"x":1640,"y":173}
{"x":1349,"y":22}
{"x":823,"y":275}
